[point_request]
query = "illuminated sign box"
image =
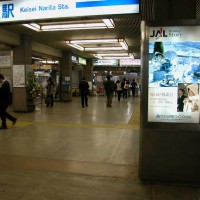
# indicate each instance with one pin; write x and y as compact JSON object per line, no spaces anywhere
{"x":174,"y":74}
{"x":32,"y":10}
{"x":82,"y":61}
{"x":130,"y":62}
{"x":105,"y":62}
{"x":74,"y":59}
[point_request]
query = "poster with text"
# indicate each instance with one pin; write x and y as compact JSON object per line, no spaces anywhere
{"x":174,"y":74}
{"x":18,"y":76}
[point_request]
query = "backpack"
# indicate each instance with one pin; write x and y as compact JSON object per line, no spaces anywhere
{"x":126,"y":86}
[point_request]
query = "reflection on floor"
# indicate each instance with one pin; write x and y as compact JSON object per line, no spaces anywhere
{"x":72,"y":153}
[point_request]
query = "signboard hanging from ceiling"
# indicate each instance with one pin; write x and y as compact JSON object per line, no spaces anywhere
{"x":21,"y":10}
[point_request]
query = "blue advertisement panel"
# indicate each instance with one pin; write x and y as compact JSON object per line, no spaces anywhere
{"x":20,"y":10}
{"x":174,"y":74}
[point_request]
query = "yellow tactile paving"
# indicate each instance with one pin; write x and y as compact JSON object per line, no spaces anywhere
{"x":114,"y":126}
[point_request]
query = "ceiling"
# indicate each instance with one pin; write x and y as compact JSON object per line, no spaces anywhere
{"x":126,"y":27}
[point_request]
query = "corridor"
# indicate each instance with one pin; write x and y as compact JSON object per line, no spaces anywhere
{"x":72,"y":153}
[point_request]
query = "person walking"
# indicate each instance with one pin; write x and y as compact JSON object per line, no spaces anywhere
{"x":84,"y":91}
{"x":118,"y":89}
{"x":109,"y":87}
{"x":5,"y":101}
{"x":133,"y":87}
{"x":50,"y":93}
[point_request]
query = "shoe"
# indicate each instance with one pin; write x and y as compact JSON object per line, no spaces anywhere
{"x":14,"y":121}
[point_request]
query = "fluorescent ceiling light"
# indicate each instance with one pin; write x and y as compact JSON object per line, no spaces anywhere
{"x":76,"y":46}
{"x":106,"y":23}
{"x":109,"y":23}
{"x":99,"y":41}
{"x":35,"y":58}
{"x":33,"y":26}
{"x":122,"y":42}
{"x":103,"y":48}
{"x":114,"y":55}
{"x":73,"y":27}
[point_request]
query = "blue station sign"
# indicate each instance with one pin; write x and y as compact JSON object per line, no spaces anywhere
{"x":24,"y":10}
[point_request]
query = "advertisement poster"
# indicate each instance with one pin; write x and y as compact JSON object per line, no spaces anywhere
{"x":18,"y":76}
{"x":5,"y":59}
{"x":174,"y":74}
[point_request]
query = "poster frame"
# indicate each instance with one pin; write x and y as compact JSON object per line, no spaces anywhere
{"x":145,"y":26}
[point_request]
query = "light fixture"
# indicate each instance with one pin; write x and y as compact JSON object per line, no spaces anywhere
{"x":122,"y":42}
{"x":114,"y":55}
{"x":33,"y":26}
{"x":103,"y":48}
{"x":109,"y":23}
{"x":76,"y":46}
{"x":35,"y":58}
{"x":105,"y":23}
{"x":97,"y":41}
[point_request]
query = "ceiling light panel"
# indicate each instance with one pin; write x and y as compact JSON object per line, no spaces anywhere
{"x":105,"y":23}
{"x":98,"y":41}
{"x":99,"y":44}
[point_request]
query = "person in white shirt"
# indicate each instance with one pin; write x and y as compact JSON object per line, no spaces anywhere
{"x":191,"y":104}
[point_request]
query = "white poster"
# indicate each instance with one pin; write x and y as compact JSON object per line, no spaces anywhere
{"x":174,"y":74}
{"x":5,"y":59}
{"x":18,"y":76}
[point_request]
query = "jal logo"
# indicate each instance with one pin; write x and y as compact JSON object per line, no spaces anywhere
{"x":159,"y":33}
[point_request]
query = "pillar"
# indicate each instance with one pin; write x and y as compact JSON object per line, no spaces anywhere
{"x":66,"y":77}
{"x":22,"y":58}
{"x":88,"y":70}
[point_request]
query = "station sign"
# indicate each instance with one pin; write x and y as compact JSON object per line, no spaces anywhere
{"x":23,"y":10}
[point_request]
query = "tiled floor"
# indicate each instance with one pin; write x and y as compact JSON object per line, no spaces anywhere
{"x":72,"y":153}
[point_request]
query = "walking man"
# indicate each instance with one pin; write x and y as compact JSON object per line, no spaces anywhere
{"x":84,"y":91}
{"x":109,"y":87}
{"x":5,"y":101}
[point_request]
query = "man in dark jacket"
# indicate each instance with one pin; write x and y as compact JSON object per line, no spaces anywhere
{"x":109,"y":87}
{"x":84,"y":91}
{"x":5,"y":101}
{"x":181,"y":97}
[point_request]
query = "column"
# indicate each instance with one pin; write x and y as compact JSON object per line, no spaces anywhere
{"x":66,"y":76}
{"x":88,"y":74}
{"x":88,"y":70}
{"x":22,"y":58}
